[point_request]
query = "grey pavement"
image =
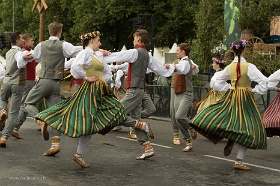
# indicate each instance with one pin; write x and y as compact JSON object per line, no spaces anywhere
{"x":112,"y":159}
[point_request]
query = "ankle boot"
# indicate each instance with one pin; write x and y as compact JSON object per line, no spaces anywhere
{"x":132,"y":134}
{"x":189,"y":146}
{"x":55,"y":148}
{"x":239,"y":165}
{"x":78,"y":158}
{"x":144,"y":126}
{"x":3,"y":117}
{"x":149,"y":151}
{"x":3,"y":141}
{"x":176,"y":139}
{"x":15,"y":132}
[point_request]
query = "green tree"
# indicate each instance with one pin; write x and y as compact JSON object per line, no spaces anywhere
{"x":257,"y":14}
{"x":210,"y":31}
{"x":177,"y":24}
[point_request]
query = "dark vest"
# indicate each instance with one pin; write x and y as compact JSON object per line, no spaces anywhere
{"x":137,"y":70}
{"x":52,"y":63}
{"x":13,"y":74}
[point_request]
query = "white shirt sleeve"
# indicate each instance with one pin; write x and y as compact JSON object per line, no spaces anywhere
{"x":222,"y":86}
{"x":123,"y":67}
{"x":183,"y":67}
{"x":196,"y":70}
{"x":273,"y":80}
{"x":2,"y":73}
{"x":129,"y":56}
{"x":70,"y":50}
{"x":158,"y":68}
{"x":81,"y":61}
{"x":37,"y":53}
{"x":118,"y":82}
{"x":68,"y":63}
{"x":255,"y":75}
{"x":21,"y":63}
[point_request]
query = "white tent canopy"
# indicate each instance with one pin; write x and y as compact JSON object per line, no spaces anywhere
{"x":158,"y":56}
{"x":173,"y":49}
{"x":123,"y":48}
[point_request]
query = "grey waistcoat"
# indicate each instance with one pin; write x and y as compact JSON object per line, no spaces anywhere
{"x":188,"y":78}
{"x":13,"y":74}
{"x":138,"y":69}
{"x":52,"y":64}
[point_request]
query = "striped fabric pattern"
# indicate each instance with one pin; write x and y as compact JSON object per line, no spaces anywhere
{"x":42,"y":105}
{"x":212,"y":97}
{"x":234,"y":117}
{"x":92,"y":109}
{"x":271,"y":117}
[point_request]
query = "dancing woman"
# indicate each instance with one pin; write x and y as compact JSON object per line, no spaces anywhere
{"x":271,"y":117}
{"x":93,"y":108}
{"x":236,"y":116}
{"x":218,"y":89}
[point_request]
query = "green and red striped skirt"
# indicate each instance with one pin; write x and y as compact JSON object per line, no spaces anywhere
{"x":235,"y":117}
{"x":92,"y":109}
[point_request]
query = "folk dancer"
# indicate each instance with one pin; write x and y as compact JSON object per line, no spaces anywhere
{"x":13,"y":85}
{"x":236,"y":116}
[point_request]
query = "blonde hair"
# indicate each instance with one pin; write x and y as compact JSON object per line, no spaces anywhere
{"x":55,"y":28}
{"x":27,"y":36}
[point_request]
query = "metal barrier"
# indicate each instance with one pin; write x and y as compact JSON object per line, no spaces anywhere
{"x":160,"y":96}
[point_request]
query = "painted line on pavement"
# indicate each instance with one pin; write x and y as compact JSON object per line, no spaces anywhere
{"x":167,"y":147}
{"x":253,"y":165}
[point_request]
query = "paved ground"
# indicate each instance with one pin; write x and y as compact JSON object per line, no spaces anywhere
{"x":112,"y":159}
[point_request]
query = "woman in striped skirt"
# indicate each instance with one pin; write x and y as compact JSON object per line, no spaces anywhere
{"x":236,"y":116}
{"x":218,"y":89}
{"x":271,"y":118}
{"x":93,"y":108}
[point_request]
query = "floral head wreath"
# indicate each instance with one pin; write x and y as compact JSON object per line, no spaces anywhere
{"x":90,"y":35}
{"x":218,"y":61}
{"x":237,"y":46}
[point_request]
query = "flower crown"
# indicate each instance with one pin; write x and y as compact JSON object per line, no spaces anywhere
{"x":218,"y":61}
{"x":237,"y":46}
{"x":90,"y":35}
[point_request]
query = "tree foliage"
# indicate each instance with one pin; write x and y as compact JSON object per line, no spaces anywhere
{"x":210,"y":31}
{"x":198,"y":22}
{"x":257,"y":15}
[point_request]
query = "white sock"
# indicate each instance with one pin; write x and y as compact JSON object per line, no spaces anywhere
{"x":83,"y":142}
{"x":241,"y":152}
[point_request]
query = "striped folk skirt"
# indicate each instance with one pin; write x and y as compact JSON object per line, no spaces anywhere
{"x":210,"y":98}
{"x":234,"y":117}
{"x":42,"y":105}
{"x":92,"y":109}
{"x":271,"y":117}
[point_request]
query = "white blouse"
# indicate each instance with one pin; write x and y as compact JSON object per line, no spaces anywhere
{"x":253,"y":73}
{"x":273,"y":80}
{"x":83,"y":60}
{"x":219,"y":85}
